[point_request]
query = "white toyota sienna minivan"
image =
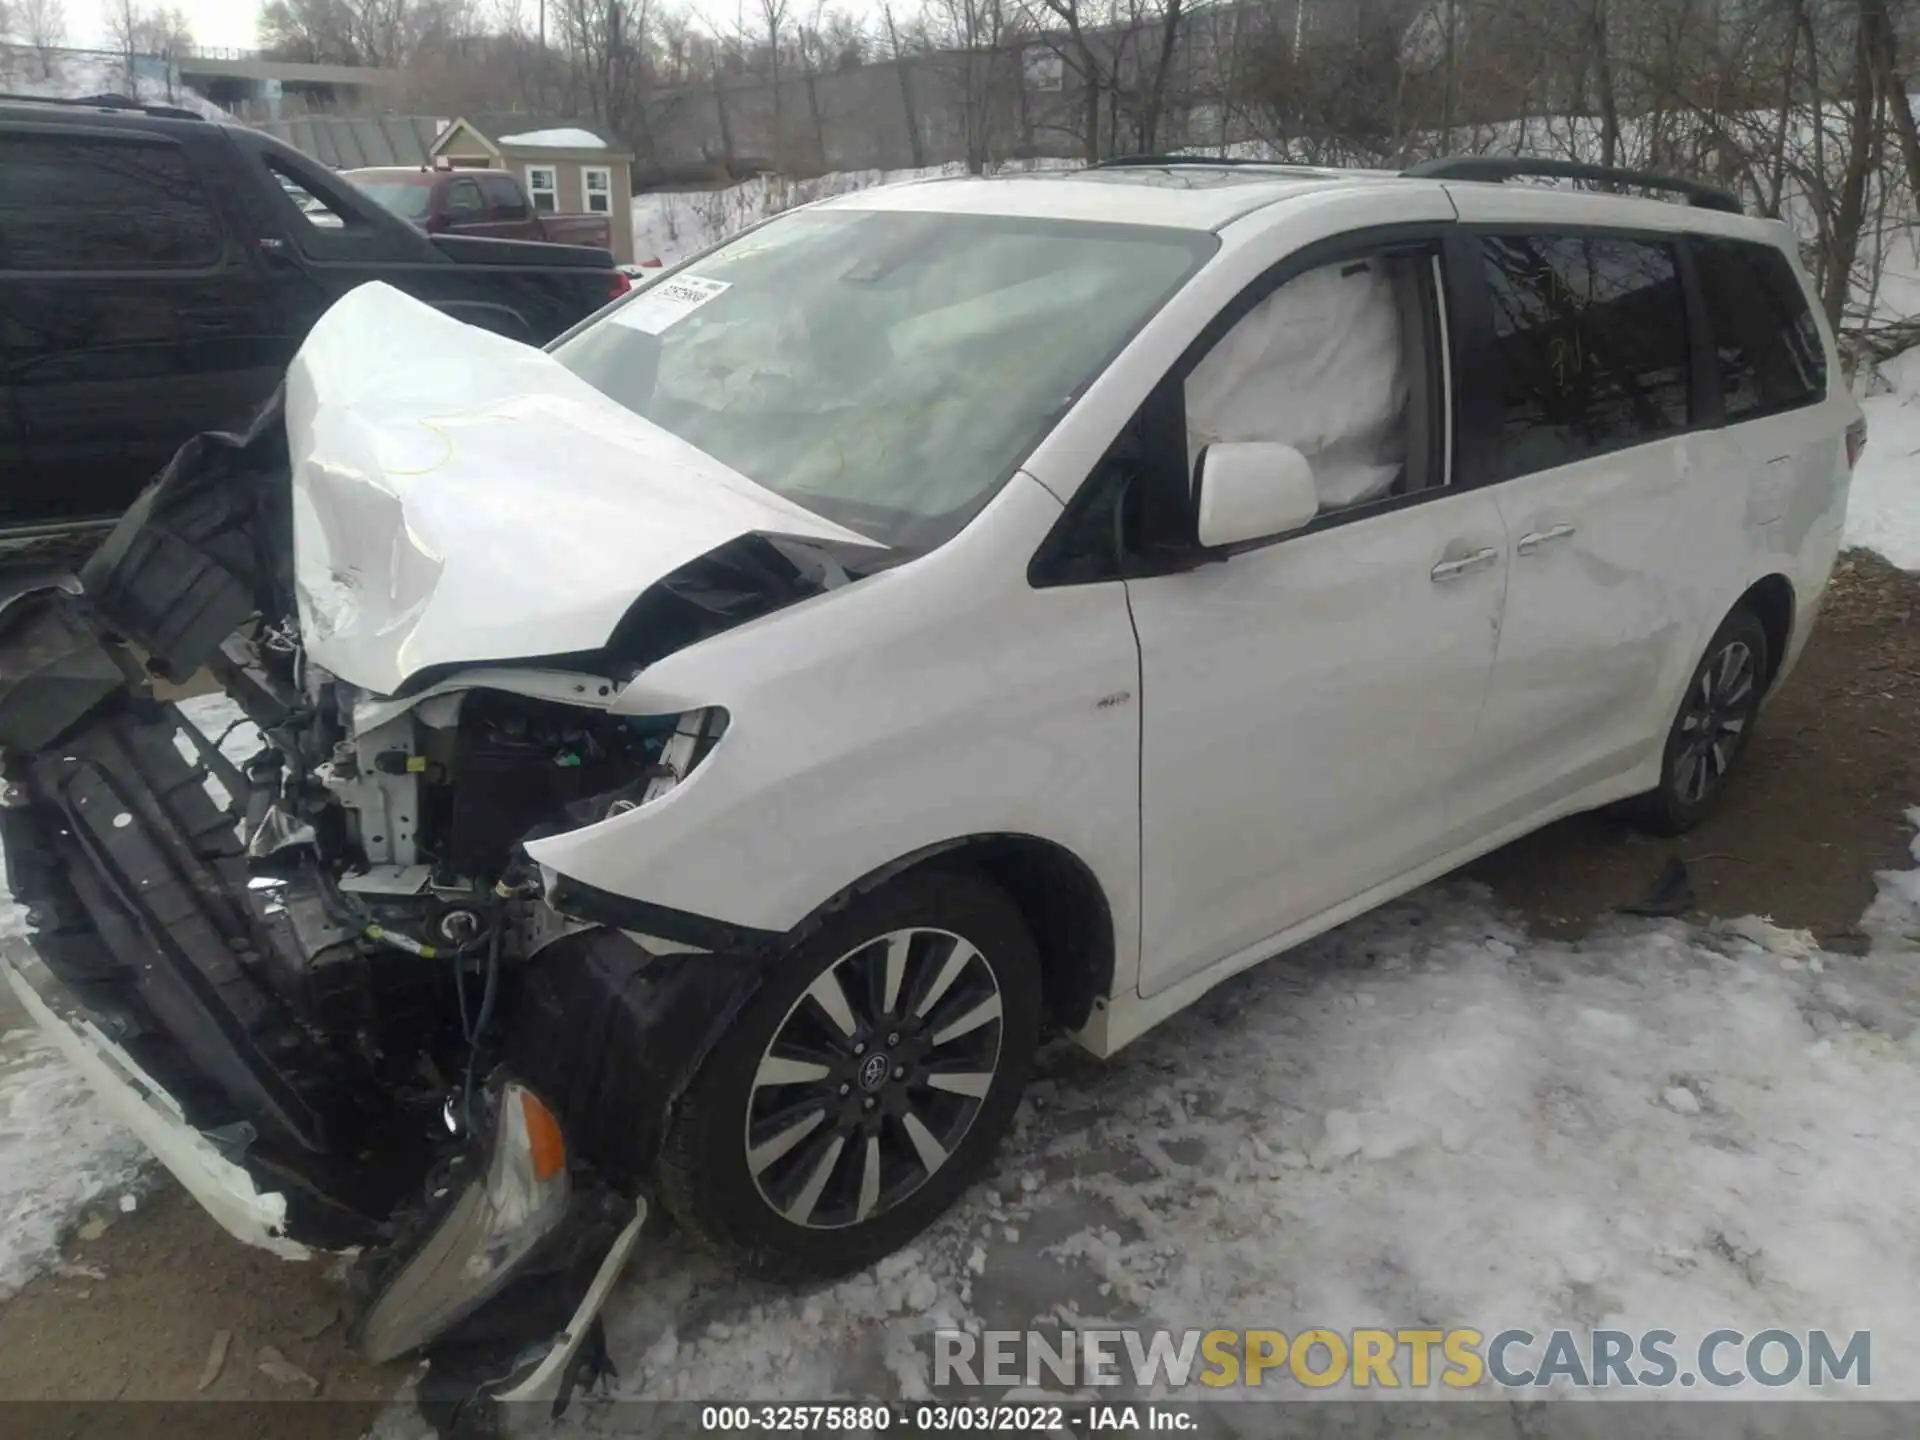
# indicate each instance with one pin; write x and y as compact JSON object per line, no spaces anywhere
{"x":697,"y":762}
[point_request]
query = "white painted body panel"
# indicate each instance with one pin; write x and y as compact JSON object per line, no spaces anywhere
{"x":460,"y":497}
{"x":1597,"y":623}
{"x":1311,"y":706}
{"x":1243,"y":755}
{"x":225,"y":1190}
{"x":942,"y":699}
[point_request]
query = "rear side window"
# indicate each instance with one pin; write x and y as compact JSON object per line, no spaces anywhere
{"x":329,"y":217}
{"x":463,"y":200}
{"x":504,"y":196}
{"x":1589,"y":346}
{"x":83,"y":202}
{"x":1764,"y":334}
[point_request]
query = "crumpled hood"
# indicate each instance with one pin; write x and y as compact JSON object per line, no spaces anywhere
{"x":459,"y":497}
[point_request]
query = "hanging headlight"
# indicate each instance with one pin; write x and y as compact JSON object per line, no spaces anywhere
{"x":494,"y":1225}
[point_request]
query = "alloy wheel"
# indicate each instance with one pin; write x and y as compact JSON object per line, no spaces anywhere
{"x":1714,"y":721}
{"x":873,"y":1077}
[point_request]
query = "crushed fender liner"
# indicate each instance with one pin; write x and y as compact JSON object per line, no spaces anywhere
{"x":603,"y":1021}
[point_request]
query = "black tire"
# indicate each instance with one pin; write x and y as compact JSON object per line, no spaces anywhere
{"x":705,"y":1176}
{"x":1711,"y":729}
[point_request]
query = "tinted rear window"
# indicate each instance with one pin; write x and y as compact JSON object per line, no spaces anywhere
{"x":90,"y":203}
{"x":1589,"y":344}
{"x":1764,"y":334}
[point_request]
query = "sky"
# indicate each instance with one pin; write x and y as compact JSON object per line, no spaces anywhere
{"x":227,"y":23}
{"x":231,"y":23}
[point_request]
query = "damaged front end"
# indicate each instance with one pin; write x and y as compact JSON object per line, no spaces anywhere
{"x":307,"y":959}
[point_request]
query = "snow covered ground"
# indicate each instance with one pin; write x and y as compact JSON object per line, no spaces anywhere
{"x":73,"y":74}
{"x":1428,"y":1116}
{"x":60,"y":1153}
{"x":669,"y":225}
{"x":1883,"y":510}
{"x":1425,"y":1117}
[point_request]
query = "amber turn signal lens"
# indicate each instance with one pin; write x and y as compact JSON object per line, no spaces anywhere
{"x":548,"y":1150}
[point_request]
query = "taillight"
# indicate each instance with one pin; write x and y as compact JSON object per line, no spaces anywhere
{"x":620,"y":285}
{"x":1856,"y":443}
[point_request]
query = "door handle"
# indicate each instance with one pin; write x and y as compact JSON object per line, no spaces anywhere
{"x":1454,"y":569}
{"x":1527,"y":544}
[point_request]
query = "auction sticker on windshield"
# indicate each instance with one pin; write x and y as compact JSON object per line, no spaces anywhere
{"x":653,"y":310}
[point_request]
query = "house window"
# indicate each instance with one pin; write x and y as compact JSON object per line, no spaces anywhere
{"x":543,"y":188}
{"x":599,"y":189}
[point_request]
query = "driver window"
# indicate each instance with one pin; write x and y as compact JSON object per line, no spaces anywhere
{"x":1342,"y":363}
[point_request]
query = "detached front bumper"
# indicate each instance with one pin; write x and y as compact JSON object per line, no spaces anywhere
{"x":514,"y":1262}
{"x":278,"y":1049}
{"x":224,"y":1189}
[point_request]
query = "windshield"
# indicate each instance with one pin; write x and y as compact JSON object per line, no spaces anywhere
{"x":406,"y":198}
{"x":886,"y":370}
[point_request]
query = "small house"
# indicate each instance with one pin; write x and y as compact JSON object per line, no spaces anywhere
{"x":565,"y":166}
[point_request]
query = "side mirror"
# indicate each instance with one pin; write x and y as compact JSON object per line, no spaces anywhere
{"x":1253,"y":491}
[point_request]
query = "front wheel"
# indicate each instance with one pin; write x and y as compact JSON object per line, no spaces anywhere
{"x":1712,"y":728}
{"x":865,"y":1086}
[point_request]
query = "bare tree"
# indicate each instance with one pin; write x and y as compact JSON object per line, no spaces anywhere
{"x":1863,"y":134}
{"x":123,"y":29}
{"x":1081,"y":53}
{"x":384,"y":34}
{"x":900,"y":71}
{"x":44,"y":24}
{"x":1799,"y":105}
{"x":605,"y":46}
{"x":970,"y":44}
{"x":1885,"y":45}
{"x":773,"y":27}
{"x":1159,"y":67}
{"x":168,"y":36}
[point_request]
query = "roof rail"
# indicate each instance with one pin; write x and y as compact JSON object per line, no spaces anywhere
{"x":1155,"y":162}
{"x":103,"y":102}
{"x":1509,"y":167}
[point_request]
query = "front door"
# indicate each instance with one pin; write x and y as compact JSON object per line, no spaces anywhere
{"x":1310,"y":703}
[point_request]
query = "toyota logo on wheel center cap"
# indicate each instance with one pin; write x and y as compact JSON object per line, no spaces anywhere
{"x":873,"y":1074}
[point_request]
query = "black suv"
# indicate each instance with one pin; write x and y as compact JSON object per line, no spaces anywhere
{"x":158,"y":271}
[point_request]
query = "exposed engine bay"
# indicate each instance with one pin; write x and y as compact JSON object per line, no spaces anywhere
{"x":306,"y":945}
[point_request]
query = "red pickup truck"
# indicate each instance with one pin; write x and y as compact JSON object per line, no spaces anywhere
{"x":476,"y":202}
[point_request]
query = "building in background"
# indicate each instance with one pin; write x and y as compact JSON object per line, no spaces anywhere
{"x":565,"y":166}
